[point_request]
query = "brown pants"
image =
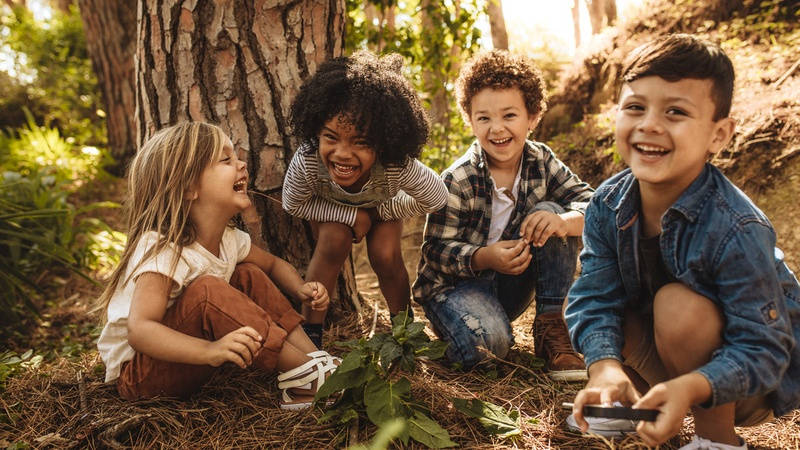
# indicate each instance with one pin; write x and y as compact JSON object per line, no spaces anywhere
{"x":210,"y":308}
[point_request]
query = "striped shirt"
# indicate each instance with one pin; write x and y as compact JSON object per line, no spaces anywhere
{"x":455,"y":232}
{"x":413,"y":189}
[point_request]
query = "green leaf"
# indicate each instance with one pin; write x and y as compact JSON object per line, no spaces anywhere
{"x":426,"y":431}
{"x":384,"y":399}
{"x":493,"y":418}
{"x":390,"y":351}
{"x":386,"y":434}
{"x":339,"y":381}
{"x":351,"y":361}
{"x":434,"y":350}
{"x":415,"y":329}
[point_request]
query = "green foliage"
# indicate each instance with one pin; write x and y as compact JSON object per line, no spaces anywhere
{"x":368,"y":385}
{"x":11,"y":363}
{"x":54,"y":76}
{"x":493,"y":418}
{"x":40,"y":227}
{"x":434,"y":40}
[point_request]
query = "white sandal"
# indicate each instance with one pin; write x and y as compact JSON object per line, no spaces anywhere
{"x":303,"y":376}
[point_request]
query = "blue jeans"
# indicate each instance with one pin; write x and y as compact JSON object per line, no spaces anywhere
{"x":478,"y":312}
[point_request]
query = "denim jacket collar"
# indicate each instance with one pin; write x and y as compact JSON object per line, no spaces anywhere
{"x":624,"y":198}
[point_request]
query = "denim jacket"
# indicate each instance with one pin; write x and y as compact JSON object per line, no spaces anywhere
{"x":719,"y":244}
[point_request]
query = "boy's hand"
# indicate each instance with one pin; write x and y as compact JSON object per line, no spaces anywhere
{"x":508,"y":257}
{"x":539,"y":226}
{"x":315,"y":294}
{"x":239,"y":347}
{"x":673,"y":398}
{"x":362,"y":225}
{"x":607,"y":383}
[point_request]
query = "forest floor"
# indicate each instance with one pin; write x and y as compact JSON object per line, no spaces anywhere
{"x":62,"y":402}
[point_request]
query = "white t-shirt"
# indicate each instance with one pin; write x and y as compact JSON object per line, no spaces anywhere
{"x":194,"y":261}
{"x":502,"y":207}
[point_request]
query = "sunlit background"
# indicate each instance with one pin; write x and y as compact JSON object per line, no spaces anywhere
{"x":535,"y":23}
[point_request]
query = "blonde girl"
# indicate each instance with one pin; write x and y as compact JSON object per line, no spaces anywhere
{"x":191,"y":293}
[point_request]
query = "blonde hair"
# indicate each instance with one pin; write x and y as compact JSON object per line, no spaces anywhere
{"x":160,"y":177}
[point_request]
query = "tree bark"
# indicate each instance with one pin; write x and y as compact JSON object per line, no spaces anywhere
{"x":576,"y":22}
{"x":110,"y":28}
{"x":239,"y":64}
{"x":610,"y":7}
{"x":497,"y":23}
{"x":596,"y":12}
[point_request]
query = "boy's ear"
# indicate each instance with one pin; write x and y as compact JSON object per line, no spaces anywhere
{"x":722,"y":134}
{"x":533,"y":120}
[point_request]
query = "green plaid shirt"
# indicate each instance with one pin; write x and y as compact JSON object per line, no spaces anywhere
{"x":456,"y":231}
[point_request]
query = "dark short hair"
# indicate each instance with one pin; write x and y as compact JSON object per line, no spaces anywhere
{"x":678,"y":56}
{"x":499,"y":69}
{"x":371,"y":94}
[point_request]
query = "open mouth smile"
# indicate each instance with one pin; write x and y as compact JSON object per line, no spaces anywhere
{"x":650,"y":150}
{"x":240,"y":186}
{"x":500,"y":141}
{"x":344,"y":170}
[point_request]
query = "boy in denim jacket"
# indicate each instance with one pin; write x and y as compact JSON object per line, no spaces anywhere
{"x":683,"y":295}
{"x":511,"y":225}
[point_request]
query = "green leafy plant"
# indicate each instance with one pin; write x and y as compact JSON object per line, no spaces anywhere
{"x":367,"y":382}
{"x":40,"y":227}
{"x":493,"y":418}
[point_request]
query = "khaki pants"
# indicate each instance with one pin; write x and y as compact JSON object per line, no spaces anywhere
{"x":210,"y":308}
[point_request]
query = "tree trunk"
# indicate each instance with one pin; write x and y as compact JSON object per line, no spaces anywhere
{"x":497,"y":23}
{"x":576,"y":22}
{"x":63,"y":5}
{"x":596,"y":12}
{"x":110,"y":28}
{"x":610,"y":7}
{"x":239,"y":64}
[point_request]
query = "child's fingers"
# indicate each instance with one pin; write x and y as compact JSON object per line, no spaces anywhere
{"x":235,"y":358}
{"x":249,"y":342}
{"x":253,"y":334}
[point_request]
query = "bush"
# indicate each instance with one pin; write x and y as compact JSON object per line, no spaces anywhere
{"x":40,"y":228}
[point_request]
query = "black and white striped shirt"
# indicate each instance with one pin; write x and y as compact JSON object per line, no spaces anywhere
{"x":414,"y":189}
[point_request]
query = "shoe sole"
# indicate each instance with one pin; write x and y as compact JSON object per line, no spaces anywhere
{"x":568,"y":375}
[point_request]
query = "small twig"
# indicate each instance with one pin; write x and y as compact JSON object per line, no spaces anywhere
{"x":790,"y":154}
{"x":82,"y":390}
{"x":374,"y":319}
{"x":787,"y":73}
{"x":109,"y":436}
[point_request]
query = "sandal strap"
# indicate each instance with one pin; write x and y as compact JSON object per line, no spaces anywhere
{"x":302,"y":376}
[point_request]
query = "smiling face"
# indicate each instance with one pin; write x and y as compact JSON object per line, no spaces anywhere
{"x":501,"y":124}
{"x":665,"y":130}
{"x":346,"y":153}
{"x":223,"y":184}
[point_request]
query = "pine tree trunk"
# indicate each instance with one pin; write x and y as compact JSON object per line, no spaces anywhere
{"x":110,"y":28}
{"x":596,"y":14}
{"x":576,"y":22}
{"x":497,"y":24}
{"x":239,"y":64}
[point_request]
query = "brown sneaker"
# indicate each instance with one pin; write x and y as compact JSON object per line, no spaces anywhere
{"x":551,"y":342}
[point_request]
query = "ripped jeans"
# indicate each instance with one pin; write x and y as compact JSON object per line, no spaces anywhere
{"x":477,"y":313}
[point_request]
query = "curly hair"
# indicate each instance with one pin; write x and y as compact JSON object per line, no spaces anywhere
{"x":372,"y":95}
{"x":499,"y":69}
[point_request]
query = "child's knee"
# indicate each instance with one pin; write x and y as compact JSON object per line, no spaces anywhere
{"x":681,"y":316}
{"x":335,"y":240}
{"x":385,"y":259}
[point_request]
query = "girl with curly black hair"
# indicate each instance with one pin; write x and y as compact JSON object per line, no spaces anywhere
{"x":355,"y":174}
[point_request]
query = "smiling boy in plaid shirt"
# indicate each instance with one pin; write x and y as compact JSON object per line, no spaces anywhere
{"x":510,"y":227}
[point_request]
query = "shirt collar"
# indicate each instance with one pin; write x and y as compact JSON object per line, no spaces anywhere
{"x":624,"y":197}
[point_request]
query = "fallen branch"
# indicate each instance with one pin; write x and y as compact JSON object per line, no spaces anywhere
{"x":109,"y":436}
{"x":783,"y":77}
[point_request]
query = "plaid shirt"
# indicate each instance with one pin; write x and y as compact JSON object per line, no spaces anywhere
{"x":455,"y":232}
